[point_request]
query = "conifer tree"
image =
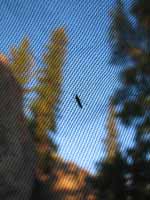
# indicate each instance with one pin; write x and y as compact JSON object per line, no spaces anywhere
{"x":47,"y":101}
{"x":49,"y":87}
{"x":44,"y":107}
{"x":21,"y":62}
{"x":131,"y":44}
{"x":110,"y":182}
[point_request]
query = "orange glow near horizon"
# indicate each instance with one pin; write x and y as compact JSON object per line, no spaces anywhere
{"x":4,"y":59}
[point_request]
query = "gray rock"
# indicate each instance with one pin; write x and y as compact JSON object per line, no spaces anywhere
{"x":17,"y":150}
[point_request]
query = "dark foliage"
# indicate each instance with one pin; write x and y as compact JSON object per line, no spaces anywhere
{"x":130,"y":32}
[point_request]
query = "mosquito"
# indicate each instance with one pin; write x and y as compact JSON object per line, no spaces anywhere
{"x":78,"y":101}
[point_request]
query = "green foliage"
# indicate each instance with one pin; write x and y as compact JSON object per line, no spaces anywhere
{"x":132,"y":98}
{"x":22,"y":61}
{"x":46,"y":160}
{"x":130,"y":35}
{"x":49,"y":87}
{"x":44,"y":108}
{"x":111,"y":180}
{"x":47,"y":101}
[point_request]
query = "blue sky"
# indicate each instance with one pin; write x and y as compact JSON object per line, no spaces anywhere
{"x":86,"y":71}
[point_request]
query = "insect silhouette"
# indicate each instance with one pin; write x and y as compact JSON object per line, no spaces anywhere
{"x":78,"y":101}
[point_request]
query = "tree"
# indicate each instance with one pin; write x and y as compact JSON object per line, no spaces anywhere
{"x":49,"y":88}
{"x":131,"y":45}
{"x":111,"y":181}
{"x":45,"y":107}
{"x":111,"y":139}
{"x":21,"y":62}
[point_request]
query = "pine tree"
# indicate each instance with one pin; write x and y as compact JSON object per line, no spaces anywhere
{"x":47,"y":101}
{"x":44,"y":108}
{"x":131,"y":38}
{"x":111,"y":182}
{"x":49,"y":88}
{"x":22,"y":62}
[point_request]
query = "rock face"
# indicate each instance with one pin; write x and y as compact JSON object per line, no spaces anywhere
{"x":17,"y":155}
{"x":69,"y":183}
